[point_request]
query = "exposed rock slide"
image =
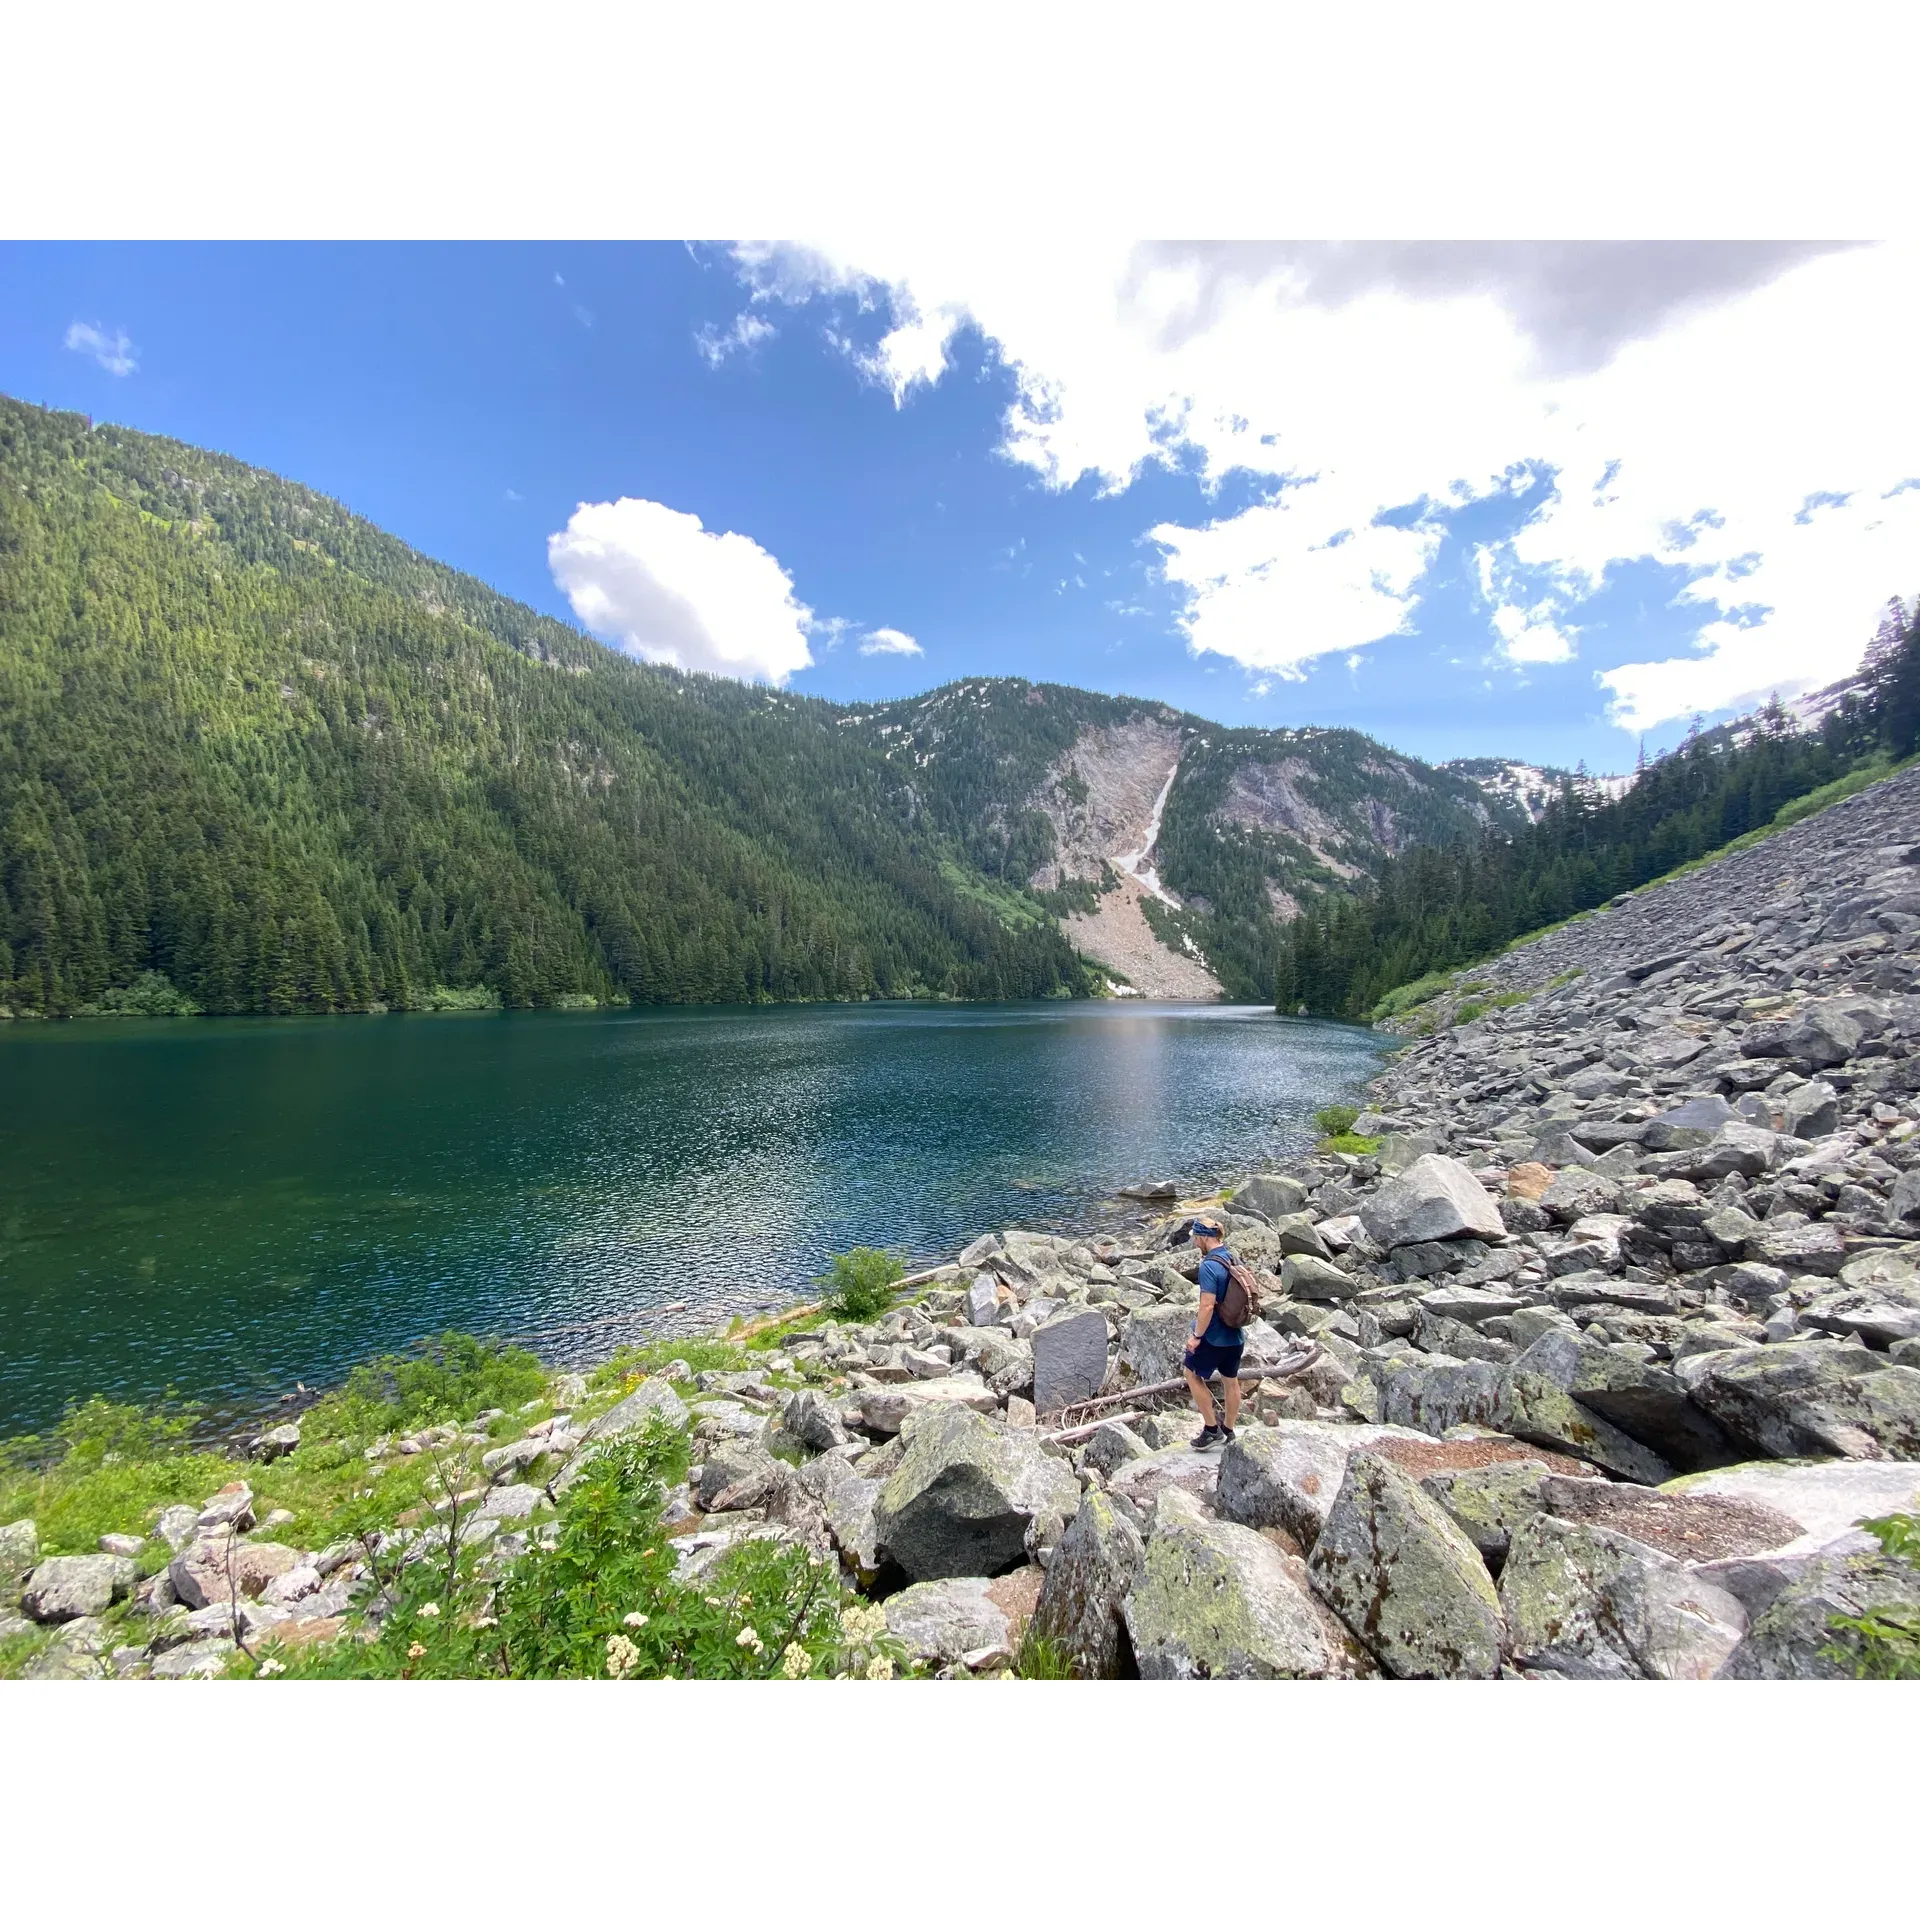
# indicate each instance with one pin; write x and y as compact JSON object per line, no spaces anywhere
{"x":1104,"y":802}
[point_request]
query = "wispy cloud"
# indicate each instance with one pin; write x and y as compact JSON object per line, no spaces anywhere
{"x":747,"y":332}
{"x":890,"y":640}
{"x":113,"y":351}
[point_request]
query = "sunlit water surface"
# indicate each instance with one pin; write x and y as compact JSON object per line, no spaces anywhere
{"x":229,"y":1206}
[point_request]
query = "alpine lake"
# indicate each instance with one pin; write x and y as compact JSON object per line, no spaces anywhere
{"x":224,"y":1208}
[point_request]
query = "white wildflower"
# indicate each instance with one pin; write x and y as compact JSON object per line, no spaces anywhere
{"x":796,"y":1663}
{"x":880,"y":1668}
{"x":416,"y":1651}
{"x":268,"y":1668}
{"x":622,"y":1656}
{"x":431,"y":1611}
{"x":635,"y":1620}
{"x":747,"y":1638}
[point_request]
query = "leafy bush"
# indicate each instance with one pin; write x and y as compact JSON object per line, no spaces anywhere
{"x":105,"y":1469}
{"x":1333,"y":1121}
{"x":452,"y":1377}
{"x":151,"y":995}
{"x":1884,"y":1642}
{"x":596,"y":1600}
{"x":862,"y":1283}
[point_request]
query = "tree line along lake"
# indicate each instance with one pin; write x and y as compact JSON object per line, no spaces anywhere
{"x":225,"y":1207}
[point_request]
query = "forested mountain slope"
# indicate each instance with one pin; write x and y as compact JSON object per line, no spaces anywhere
{"x":257,"y":753}
{"x":251,"y":743}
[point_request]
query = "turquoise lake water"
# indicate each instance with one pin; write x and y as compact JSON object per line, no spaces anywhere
{"x":227,"y":1207}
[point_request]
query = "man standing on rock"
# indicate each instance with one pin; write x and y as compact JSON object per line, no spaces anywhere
{"x":1215,"y":1347}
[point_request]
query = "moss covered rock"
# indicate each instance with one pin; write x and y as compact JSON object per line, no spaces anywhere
{"x":1215,"y":1601}
{"x":1405,"y":1579}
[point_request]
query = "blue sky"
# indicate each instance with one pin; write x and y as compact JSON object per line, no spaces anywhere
{"x":1435,"y":497}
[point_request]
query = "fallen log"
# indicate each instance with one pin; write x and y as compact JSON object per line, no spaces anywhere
{"x":1298,"y":1361}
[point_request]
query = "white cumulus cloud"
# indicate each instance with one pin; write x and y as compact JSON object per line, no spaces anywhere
{"x":109,"y":349}
{"x":1679,"y":403}
{"x":890,"y":640}
{"x":656,"y":583}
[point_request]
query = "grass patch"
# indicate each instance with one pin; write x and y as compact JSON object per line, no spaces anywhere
{"x":626,"y":1364}
{"x":451,"y":1377}
{"x":1471,"y":1010}
{"x":1336,"y":1119}
{"x":1042,"y":1659}
{"x":1017,"y":910}
{"x":1349,"y":1143}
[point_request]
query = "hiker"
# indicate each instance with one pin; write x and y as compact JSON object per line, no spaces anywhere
{"x":1215,"y":1347}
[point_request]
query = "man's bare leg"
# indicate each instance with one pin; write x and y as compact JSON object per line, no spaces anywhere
{"x":1203,"y":1397}
{"x":1233,"y":1404}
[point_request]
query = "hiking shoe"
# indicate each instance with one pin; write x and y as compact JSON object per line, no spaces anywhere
{"x":1226,"y":1436}
{"x":1205,"y":1438}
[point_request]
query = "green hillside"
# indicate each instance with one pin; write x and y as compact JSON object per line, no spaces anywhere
{"x":251,"y":743}
{"x":258,"y":756}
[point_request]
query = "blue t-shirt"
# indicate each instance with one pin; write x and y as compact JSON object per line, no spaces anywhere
{"x":1212,"y":1278}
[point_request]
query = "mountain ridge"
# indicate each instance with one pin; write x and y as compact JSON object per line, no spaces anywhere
{"x":257,"y":747}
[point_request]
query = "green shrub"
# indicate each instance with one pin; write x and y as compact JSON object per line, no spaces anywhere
{"x":1884,"y":1642}
{"x":597,"y":1600}
{"x":1336,"y":1120}
{"x":451,"y":1377}
{"x":862,"y":1283}
{"x":152,"y":995}
{"x":106,"y":1468}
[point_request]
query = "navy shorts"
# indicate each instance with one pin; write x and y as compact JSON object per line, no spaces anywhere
{"x":1207,"y":1359}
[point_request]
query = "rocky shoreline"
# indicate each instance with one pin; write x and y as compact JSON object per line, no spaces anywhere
{"x":1605,"y":1352}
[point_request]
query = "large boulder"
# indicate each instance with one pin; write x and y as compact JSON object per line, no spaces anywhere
{"x":1431,"y":1392}
{"x":649,"y":1398}
{"x":1796,"y":1639}
{"x":1435,"y":1199}
{"x":1647,"y":1403}
{"x":1069,"y":1359}
{"x":1154,"y":1344}
{"x":888,"y":1409}
{"x":1218,"y":1602}
{"x":1822,"y":1037}
{"x":1304,"y":1276}
{"x":1812,"y":1397}
{"x":1534,"y":1404}
{"x":1195,"y":1474}
{"x":846,"y":1499}
{"x":950,"y":1623}
{"x":1287,"y":1475}
{"x":1087,"y":1582}
{"x":1487,"y":1502}
{"x":200,"y":1572}
{"x":1271,"y":1195}
{"x":1823,"y":1499}
{"x":1405,"y":1579}
{"x":969,"y":1498}
{"x":810,"y":1418}
{"x":74,"y":1586}
{"x":1594,"y":1604}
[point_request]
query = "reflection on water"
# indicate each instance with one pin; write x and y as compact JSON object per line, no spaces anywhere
{"x":226,"y":1206}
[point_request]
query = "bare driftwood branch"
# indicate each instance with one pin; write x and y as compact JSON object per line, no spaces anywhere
{"x":1296,"y":1362}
